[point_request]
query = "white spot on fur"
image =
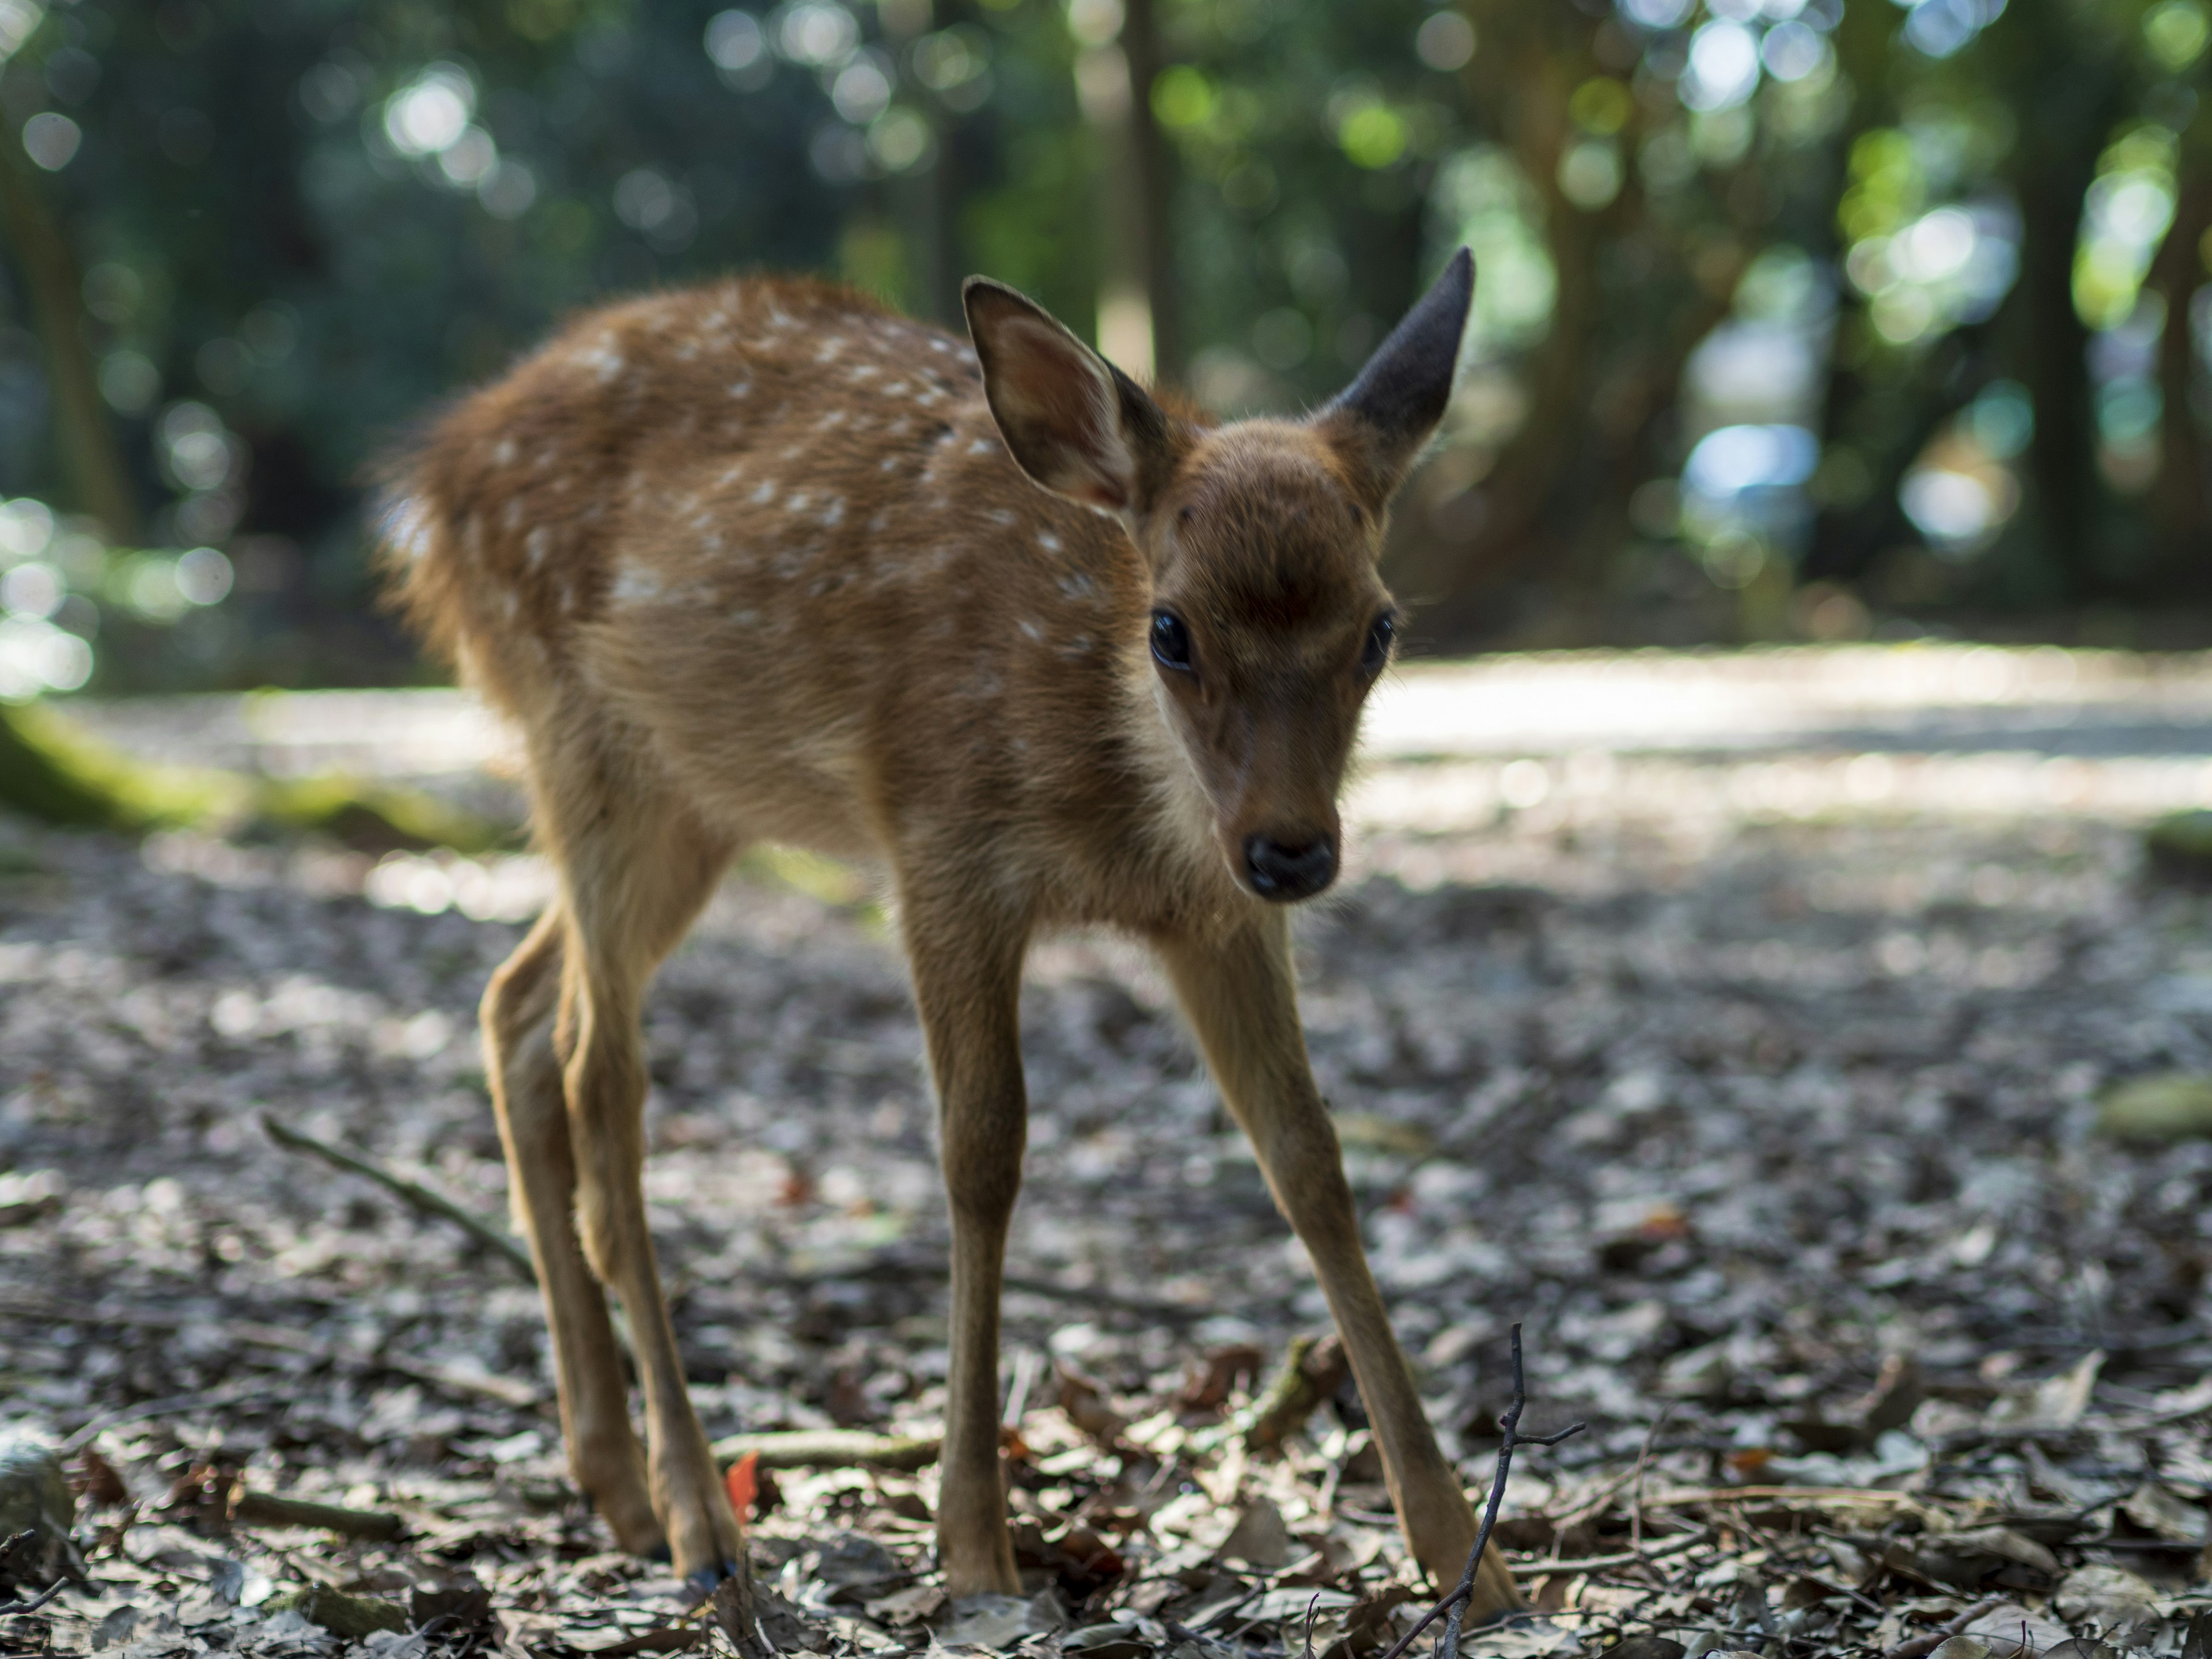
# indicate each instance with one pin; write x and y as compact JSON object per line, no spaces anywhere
{"x":980,"y":447}
{"x":895,"y":388}
{"x":830,"y":348}
{"x":603,"y":359}
{"x":505,"y":454}
{"x":1000,"y":516}
{"x":1047,"y":541}
{"x":835,"y":418}
{"x":741,"y":388}
{"x":879,"y":520}
{"x":765,"y":493}
{"x":1029,"y":628}
{"x":835,"y":513}
{"x":408,"y":529}
{"x":536,"y":544}
{"x":745,"y":618}
{"x":798,"y":503}
{"x":637,"y":586}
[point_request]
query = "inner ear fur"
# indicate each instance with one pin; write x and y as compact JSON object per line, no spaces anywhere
{"x":1382,"y":421}
{"x":1071,"y":421}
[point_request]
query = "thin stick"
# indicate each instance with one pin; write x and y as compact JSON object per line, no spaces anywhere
{"x":1635,"y":1494}
{"x":500,"y":1241}
{"x":505,"y":1391}
{"x":1567,"y":1566}
{"x":37,"y":1601}
{"x":1453,"y":1606}
{"x":168,"y":1406}
{"x":259,"y":1509}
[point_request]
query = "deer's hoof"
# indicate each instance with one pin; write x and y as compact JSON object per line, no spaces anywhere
{"x":702,"y":1582}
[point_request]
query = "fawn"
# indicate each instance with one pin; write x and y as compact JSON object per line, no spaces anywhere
{"x":764,"y":561}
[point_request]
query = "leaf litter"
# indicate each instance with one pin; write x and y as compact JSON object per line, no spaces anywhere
{"x":1781,"y":1138}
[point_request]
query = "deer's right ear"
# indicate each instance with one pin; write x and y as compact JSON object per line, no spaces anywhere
{"x":1074,"y":422}
{"x":1384,"y":419}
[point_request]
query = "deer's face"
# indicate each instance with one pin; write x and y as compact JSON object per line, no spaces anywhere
{"x":1268,"y":628}
{"x":1269,"y":624}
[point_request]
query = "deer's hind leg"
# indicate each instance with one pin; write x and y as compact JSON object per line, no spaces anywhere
{"x":519,"y":1007}
{"x":636,"y":865}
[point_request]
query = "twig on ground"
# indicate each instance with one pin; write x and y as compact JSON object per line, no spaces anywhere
{"x":1919,"y":1646}
{"x":1453,"y":1608}
{"x":502,"y":1390}
{"x":496,"y":1239}
{"x":168,"y":1406}
{"x":1598,"y":1563}
{"x":1597,"y":1455}
{"x":1635,"y":1485}
{"x":893,"y":1268}
{"x":38,"y":1600}
{"x":832,"y":1449}
{"x":256,"y":1509}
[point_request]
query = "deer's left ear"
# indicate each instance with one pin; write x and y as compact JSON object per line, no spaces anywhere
{"x":1382,"y":422}
{"x":1074,"y":422}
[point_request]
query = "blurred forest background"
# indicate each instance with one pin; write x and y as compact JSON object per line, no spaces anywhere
{"x":1796,"y":318}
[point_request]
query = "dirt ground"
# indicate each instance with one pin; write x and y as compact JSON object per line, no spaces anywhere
{"x":1768,"y":1108}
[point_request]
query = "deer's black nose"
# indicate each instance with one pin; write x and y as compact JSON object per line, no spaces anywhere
{"x":1284,"y":874}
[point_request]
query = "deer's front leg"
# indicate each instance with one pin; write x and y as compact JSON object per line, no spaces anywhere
{"x":1240,"y":998}
{"x":967,"y":979}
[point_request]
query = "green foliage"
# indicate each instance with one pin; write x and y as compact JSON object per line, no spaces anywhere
{"x":292,"y":227}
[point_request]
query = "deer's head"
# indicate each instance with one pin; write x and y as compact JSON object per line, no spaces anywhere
{"x":1269,"y":624}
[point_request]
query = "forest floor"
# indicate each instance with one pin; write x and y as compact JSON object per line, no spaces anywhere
{"x":1760,"y":1080}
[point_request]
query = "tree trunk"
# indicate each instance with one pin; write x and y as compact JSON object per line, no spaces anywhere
{"x":1154,"y":192}
{"x":2179,"y":527}
{"x":94,"y":463}
{"x":1136,"y":311}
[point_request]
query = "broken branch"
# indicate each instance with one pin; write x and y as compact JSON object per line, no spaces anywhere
{"x":501,"y":1243}
{"x":1453,"y":1608}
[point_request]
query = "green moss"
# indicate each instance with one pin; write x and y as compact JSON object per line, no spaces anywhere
{"x":51,"y":771}
{"x":2180,"y":847}
{"x":2164,"y":1106}
{"x":350,"y":1616}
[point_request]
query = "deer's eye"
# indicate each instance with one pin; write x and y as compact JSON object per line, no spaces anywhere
{"x":1170,"y":641}
{"x":1376,"y":651}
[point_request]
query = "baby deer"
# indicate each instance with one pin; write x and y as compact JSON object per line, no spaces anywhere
{"x":760,"y":561}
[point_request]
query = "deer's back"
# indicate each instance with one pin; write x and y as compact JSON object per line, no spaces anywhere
{"x":770,"y":531}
